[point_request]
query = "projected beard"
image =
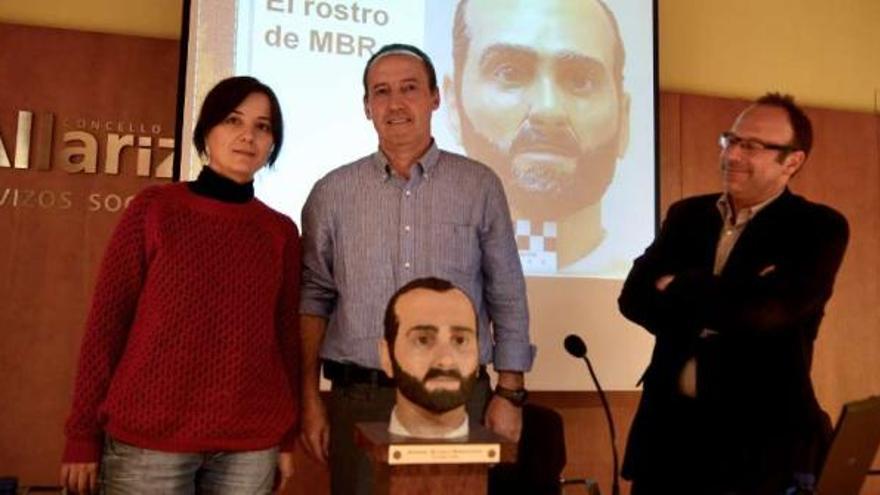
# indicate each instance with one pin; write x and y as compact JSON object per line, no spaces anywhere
{"x":542,"y":189}
{"x":437,"y":401}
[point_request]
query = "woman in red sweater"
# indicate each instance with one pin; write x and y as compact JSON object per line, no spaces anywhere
{"x":187,"y":378}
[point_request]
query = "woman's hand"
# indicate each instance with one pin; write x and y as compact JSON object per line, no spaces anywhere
{"x":80,"y":477}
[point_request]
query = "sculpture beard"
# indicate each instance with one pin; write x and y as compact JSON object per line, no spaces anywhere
{"x":545,"y":190}
{"x":437,"y":401}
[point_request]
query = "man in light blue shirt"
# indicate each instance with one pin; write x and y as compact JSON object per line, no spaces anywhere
{"x":408,"y":211}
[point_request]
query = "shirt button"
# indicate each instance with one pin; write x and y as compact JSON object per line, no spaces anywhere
{"x":407,"y":192}
{"x":406,"y":265}
{"x":406,"y":228}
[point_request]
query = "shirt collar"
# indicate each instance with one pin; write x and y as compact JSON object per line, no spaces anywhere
{"x":744,"y":214}
{"x":395,"y":427}
{"x":427,"y":162}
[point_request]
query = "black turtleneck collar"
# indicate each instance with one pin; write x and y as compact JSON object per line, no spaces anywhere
{"x":215,"y":186}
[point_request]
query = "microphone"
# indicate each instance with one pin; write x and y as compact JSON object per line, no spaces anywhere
{"x":575,"y":346}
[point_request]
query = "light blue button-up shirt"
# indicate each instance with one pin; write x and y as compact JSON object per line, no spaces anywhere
{"x":368,"y":231}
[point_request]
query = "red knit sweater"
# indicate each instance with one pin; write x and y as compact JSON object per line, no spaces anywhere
{"x":192,"y":341}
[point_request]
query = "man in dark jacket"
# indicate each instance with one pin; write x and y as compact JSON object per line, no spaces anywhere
{"x":734,"y":288}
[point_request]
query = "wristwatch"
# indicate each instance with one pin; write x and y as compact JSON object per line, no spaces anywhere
{"x":516,"y":397}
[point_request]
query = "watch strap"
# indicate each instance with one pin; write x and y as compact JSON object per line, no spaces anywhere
{"x":517,"y":397}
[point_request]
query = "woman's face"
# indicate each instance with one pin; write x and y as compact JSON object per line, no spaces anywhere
{"x":239,"y":145}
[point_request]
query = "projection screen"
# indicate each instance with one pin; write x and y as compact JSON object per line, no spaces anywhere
{"x":583,"y":198}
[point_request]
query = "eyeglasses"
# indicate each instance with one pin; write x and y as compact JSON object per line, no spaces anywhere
{"x":750,"y":145}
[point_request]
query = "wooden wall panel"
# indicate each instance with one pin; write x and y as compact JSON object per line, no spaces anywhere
{"x":587,"y":444}
{"x":51,"y":234}
{"x":843,"y":172}
{"x":670,"y":168}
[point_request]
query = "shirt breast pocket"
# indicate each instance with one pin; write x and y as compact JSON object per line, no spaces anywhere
{"x":456,"y":249}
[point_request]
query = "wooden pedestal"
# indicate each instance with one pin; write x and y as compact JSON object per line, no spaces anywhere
{"x":404,"y":465}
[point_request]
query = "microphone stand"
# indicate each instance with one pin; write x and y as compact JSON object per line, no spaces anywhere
{"x":615,"y":486}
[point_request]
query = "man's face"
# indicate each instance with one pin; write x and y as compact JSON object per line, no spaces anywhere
{"x":400,"y":101}
{"x":537,"y":100}
{"x":751,"y":177}
{"x":435,"y":358}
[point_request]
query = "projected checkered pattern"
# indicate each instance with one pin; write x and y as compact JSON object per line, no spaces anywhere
{"x":537,"y":246}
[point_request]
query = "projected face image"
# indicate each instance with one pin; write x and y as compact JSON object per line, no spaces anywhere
{"x":537,"y":96}
{"x":435,"y":358}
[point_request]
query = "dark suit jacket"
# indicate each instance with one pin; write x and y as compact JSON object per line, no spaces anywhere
{"x":758,"y":418}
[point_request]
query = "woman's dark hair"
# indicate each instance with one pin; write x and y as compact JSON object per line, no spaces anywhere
{"x":224,"y":98}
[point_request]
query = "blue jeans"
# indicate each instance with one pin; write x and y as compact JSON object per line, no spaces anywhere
{"x":126,"y":469}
